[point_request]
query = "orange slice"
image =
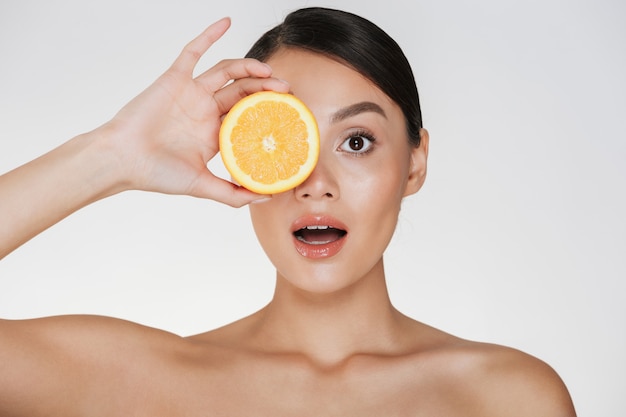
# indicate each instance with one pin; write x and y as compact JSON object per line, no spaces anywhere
{"x":269,"y":142}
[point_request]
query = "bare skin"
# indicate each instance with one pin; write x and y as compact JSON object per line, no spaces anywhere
{"x":330,"y":343}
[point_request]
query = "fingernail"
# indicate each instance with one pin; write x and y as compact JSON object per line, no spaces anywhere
{"x":261,"y":200}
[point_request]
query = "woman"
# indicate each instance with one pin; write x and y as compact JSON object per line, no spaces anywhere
{"x":330,"y":342}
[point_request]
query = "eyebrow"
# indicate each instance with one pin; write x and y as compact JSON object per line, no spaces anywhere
{"x":357,"y":108}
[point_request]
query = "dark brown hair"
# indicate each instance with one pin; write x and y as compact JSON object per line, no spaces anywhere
{"x":356,"y":42}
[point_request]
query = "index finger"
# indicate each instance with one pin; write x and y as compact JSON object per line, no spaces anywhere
{"x":193,"y":51}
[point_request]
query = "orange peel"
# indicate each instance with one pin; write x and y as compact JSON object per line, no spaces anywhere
{"x":269,"y":142}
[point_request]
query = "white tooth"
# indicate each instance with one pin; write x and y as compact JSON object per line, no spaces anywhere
{"x":317,"y":227}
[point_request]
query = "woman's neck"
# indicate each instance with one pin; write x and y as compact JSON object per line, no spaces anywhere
{"x":330,"y":328}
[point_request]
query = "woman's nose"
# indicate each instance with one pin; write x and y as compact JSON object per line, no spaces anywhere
{"x":321,"y":184}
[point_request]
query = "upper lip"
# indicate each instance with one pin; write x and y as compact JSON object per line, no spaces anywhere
{"x":317,"y":221}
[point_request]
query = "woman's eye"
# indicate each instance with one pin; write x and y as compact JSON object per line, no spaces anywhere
{"x":357,"y":144}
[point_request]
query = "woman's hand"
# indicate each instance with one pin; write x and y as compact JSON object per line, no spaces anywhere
{"x":161,"y":141}
{"x":166,"y":136}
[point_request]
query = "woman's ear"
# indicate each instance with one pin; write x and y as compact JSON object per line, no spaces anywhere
{"x":417,"y":168}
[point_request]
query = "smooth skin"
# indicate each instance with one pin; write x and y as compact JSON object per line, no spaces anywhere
{"x":330,"y":343}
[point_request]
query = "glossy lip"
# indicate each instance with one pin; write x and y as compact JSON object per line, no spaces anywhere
{"x":318,"y":251}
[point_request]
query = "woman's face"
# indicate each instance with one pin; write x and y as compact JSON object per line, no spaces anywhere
{"x":331,"y":231}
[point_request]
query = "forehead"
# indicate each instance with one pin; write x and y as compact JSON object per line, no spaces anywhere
{"x":325,"y":84}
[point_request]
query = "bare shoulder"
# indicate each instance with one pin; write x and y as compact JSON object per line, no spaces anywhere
{"x":75,"y":332}
{"x":72,"y":357}
{"x":522,"y":385}
{"x":494,"y":380}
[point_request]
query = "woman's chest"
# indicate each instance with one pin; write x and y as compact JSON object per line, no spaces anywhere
{"x":293,"y":388}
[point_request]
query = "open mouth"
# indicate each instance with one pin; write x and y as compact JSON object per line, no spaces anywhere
{"x":319,"y":234}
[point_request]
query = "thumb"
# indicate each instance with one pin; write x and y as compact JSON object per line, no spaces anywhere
{"x":214,"y":188}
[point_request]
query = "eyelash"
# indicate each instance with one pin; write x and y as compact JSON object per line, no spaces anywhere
{"x":366,"y":136}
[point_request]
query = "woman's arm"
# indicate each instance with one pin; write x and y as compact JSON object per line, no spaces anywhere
{"x":161,"y":141}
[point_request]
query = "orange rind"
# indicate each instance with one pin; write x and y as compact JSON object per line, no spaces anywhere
{"x":269,"y":142}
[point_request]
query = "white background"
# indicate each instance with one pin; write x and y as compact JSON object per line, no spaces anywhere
{"x":517,"y":238}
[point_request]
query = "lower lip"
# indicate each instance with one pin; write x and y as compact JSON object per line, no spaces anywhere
{"x":325,"y":250}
